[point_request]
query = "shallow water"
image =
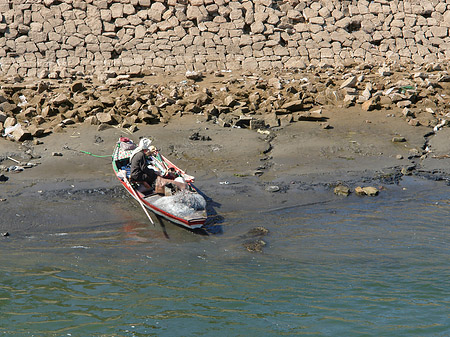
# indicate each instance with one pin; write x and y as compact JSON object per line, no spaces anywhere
{"x":350,"y":267}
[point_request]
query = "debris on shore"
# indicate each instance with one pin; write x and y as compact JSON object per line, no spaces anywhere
{"x":369,"y":190}
{"x":342,"y":190}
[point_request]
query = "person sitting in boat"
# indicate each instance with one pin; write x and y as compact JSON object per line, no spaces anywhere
{"x":152,"y":152}
{"x":170,"y":173}
{"x":140,"y":172}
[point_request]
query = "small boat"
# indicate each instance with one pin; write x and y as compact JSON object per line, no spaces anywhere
{"x":184,"y":207}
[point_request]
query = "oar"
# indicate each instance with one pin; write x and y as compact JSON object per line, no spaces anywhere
{"x":138,"y":199}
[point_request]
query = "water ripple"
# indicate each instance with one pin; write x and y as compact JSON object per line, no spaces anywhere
{"x":353,"y":268}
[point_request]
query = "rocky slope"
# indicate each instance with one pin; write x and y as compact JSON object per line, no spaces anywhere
{"x":34,"y":108}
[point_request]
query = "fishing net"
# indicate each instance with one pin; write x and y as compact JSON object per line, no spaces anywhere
{"x":182,"y":204}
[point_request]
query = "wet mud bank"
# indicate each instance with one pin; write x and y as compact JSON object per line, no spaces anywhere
{"x":66,"y":180}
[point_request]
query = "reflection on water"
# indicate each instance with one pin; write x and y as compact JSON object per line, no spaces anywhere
{"x":352,"y":267}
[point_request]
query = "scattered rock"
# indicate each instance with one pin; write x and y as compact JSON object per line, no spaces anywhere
{"x":260,"y":100}
{"x":92,"y":120}
{"x":77,"y":87}
{"x":349,"y":100}
{"x":310,"y":116}
{"x":58,"y":128}
{"x":103,"y":127}
{"x":273,"y":188}
{"x":20,"y":134}
{"x":398,"y":139}
{"x":197,"y":136}
{"x":256,"y":124}
{"x":68,"y":121}
{"x":370,"y":191}
{"x":36,"y":131}
{"x":104,"y":117}
{"x":349,"y":82}
{"x":229,"y":101}
{"x":407,"y":171}
{"x":255,"y":246}
{"x":254,"y":242}
{"x":133,"y":128}
{"x":404,"y":104}
{"x":98,"y":139}
{"x":385,"y":71}
{"x":258,"y":231}
{"x":15,"y":169}
{"x":408,"y":113}
{"x":415,"y":152}
{"x":193,"y":75}
{"x":342,"y":190}
{"x":275,"y":83}
{"x":370,"y":104}
{"x":293,"y":105}
{"x":359,"y":191}
{"x":3,"y":117}
{"x":5,"y":234}
{"x":61,"y":100}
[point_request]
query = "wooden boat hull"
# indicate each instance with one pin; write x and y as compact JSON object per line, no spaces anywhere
{"x":193,"y":221}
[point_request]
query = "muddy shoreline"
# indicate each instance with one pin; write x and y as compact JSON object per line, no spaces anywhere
{"x":238,"y":169}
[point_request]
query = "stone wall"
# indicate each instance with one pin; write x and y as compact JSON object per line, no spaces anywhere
{"x":40,"y":38}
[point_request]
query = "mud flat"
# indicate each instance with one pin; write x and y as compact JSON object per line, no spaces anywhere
{"x":240,"y":164}
{"x":237,"y":168}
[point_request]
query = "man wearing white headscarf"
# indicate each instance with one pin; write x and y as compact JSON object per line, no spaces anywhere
{"x":139,"y":166}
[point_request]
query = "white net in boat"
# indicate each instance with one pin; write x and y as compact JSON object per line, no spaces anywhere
{"x":181,"y":204}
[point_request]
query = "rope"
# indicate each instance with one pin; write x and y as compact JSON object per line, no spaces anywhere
{"x":89,"y":153}
{"x":95,"y":155}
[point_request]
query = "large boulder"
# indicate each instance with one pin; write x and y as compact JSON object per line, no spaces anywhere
{"x":36,"y":131}
{"x":60,"y":100}
{"x":20,"y":134}
{"x":8,"y":107}
{"x":9,"y":121}
{"x":342,"y":190}
{"x":293,"y":106}
{"x":147,"y":117}
{"x":105,"y":118}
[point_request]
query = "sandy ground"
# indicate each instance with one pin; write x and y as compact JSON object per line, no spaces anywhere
{"x":236,"y":167}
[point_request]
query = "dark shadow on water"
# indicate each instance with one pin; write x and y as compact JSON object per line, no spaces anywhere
{"x":200,"y":231}
{"x":212,"y":224}
{"x":163,"y":227}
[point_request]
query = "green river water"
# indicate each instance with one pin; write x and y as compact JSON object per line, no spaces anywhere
{"x":351,"y":267}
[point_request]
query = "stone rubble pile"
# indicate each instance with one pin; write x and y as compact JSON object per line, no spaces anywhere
{"x":52,"y":38}
{"x":262,"y":100}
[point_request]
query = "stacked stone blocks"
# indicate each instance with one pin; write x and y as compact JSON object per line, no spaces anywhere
{"x":40,"y":38}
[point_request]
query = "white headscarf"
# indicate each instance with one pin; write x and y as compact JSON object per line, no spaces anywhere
{"x":144,"y":144}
